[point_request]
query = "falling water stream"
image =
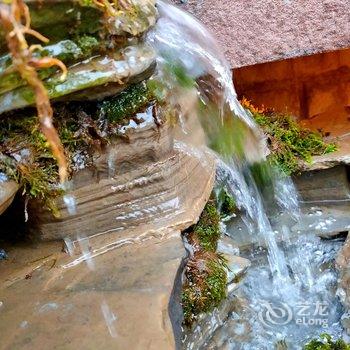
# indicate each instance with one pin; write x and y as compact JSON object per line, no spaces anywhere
{"x":178,"y":37}
{"x":284,"y":275}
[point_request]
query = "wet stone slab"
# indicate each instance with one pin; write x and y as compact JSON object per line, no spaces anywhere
{"x":118,"y":300}
{"x":113,"y":290}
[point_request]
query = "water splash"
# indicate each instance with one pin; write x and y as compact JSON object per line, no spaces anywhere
{"x":302,"y":316}
{"x":69,"y":199}
{"x":86,"y":250}
{"x":110,"y":318}
{"x":203,"y":89}
{"x":179,"y":39}
{"x":70,"y":202}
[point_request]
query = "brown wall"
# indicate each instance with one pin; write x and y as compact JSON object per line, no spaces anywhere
{"x":316,"y":86}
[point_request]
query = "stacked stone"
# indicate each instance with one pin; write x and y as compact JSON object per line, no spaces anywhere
{"x":103,"y":53}
{"x":101,"y":42}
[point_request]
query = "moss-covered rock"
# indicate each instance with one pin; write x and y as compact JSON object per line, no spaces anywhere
{"x":89,"y":80}
{"x":207,"y":229}
{"x":68,"y":19}
{"x":67,"y":51}
{"x":326,"y":342}
{"x":289,"y":143}
{"x":25,"y":155}
{"x":127,"y":103}
{"x":206,"y":269}
{"x":206,"y":284}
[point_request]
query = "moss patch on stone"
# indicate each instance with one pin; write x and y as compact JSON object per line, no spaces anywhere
{"x":206,"y":284}
{"x":207,"y":228}
{"x":326,"y":342}
{"x":290,"y":144}
{"x":25,"y":155}
{"x":226,"y":203}
{"x":127,"y":103}
{"x":206,"y":276}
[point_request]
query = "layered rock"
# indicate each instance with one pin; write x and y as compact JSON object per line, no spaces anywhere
{"x":142,"y":181}
{"x":95,"y":51}
{"x":119,"y":293}
{"x":94,"y":78}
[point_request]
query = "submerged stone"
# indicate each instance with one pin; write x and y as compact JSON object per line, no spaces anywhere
{"x":236,"y":267}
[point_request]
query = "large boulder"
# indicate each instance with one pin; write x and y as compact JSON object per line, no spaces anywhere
{"x":118,"y":288}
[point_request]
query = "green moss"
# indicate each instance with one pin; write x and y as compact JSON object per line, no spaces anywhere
{"x":26,"y":157}
{"x":88,"y":44}
{"x":34,"y":169}
{"x":226,"y":203}
{"x":206,"y":285}
{"x":207,"y":229}
{"x":326,"y":342}
{"x":290,"y":144}
{"x":64,"y":20}
{"x":206,"y":270}
{"x":127,"y":103}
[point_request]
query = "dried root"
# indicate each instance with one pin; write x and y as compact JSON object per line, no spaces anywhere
{"x":15,"y":20}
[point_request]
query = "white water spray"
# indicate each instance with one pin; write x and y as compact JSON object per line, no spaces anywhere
{"x":178,"y":37}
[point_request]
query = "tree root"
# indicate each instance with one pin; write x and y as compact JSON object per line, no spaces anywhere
{"x":15,"y":20}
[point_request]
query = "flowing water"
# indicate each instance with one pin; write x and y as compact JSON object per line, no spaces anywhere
{"x":258,"y":316}
{"x":180,"y":39}
{"x":284,"y":275}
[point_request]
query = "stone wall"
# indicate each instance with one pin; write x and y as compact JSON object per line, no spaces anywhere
{"x":257,"y":31}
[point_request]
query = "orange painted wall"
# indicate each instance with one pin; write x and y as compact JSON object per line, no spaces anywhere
{"x":316,"y":86}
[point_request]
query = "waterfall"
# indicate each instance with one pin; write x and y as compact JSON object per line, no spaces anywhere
{"x":179,"y":39}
